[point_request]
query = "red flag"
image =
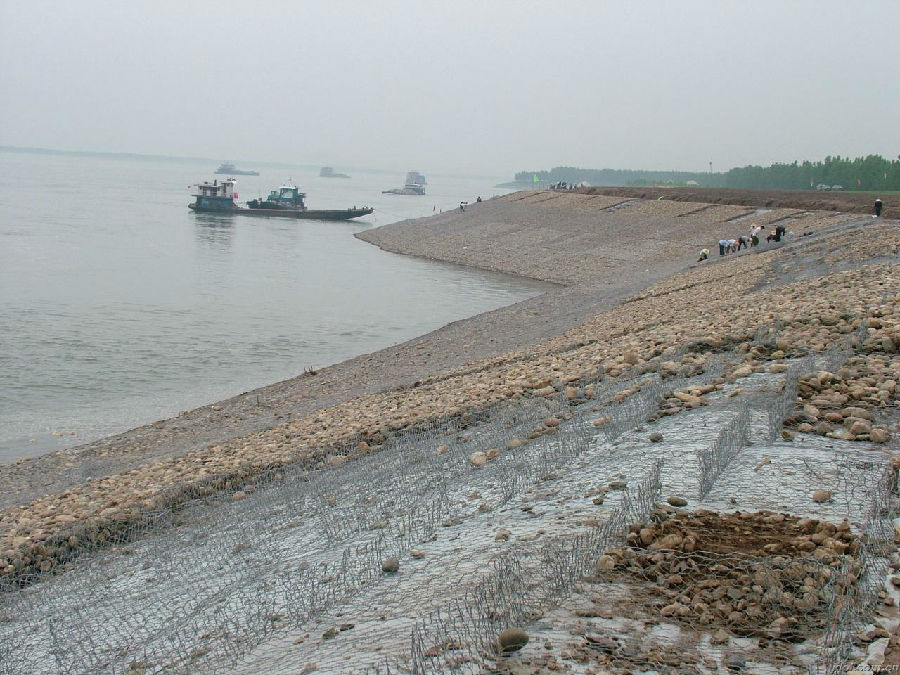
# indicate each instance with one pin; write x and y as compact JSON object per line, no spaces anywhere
{"x":858,"y":182}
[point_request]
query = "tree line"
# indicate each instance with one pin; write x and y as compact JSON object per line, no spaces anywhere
{"x":872,"y":172}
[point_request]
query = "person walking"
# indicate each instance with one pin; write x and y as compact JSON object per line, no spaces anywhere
{"x":878,"y":206}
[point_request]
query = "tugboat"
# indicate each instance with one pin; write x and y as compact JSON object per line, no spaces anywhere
{"x":215,"y":197}
{"x":287,"y":201}
{"x":328,"y":172}
{"x":415,"y":185}
{"x":228,"y":169}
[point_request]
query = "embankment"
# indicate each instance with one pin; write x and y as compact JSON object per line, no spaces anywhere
{"x":605,"y":317}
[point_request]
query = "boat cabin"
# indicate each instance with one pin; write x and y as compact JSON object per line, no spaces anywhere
{"x":223,"y":189}
{"x":287,"y":195}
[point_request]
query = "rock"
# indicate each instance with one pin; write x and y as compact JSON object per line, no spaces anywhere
{"x":512,"y":639}
{"x":600,"y":421}
{"x":492,"y":453}
{"x":601,"y":643}
{"x":720,"y":637}
{"x":390,"y":565}
{"x":856,"y":411}
{"x":514,"y":443}
{"x":778,"y":626}
{"x":630,"y":357}
{"x":677,"y":501}
{"x":778,"y":368}
{"x":735,"y":662}
{"x":551,"y":422}
{"x":821,"y":496}
{"x":330,"y":632}
{"x":571,"y":393}
{"x":655,"y":437}
{"x":823,"y":428}
{"x":669,"y":610}
{"x":502,"y":534}
{"x":668,"y":369}
{"x":618,"y":485}
{"x":787,"y":435}
{"x":605,"y":563}
{"x":416,"y":553}
{"x":743,"y":371}
{"x":478,"y":459}
{"x":879,"y":435}
{"x":442,"y":449}
{"x":860,"y":427}
{"x":670,"y":541}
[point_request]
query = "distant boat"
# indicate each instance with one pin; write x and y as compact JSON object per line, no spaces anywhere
{"x":415,"y":185}
{"x":228,"y":169}
{"x":328,"y":172}
{"x":285,"y":202}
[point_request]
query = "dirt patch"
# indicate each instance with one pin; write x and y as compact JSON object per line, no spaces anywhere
{"x":764,"y":575}
{"x":845,"y":202}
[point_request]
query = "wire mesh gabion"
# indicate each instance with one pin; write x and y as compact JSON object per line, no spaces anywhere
{"x":195,"y":588}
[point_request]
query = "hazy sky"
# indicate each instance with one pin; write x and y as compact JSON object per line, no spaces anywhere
{"x":487,"y":86}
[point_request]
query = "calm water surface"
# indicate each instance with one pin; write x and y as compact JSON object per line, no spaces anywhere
{"x":119,"y":306}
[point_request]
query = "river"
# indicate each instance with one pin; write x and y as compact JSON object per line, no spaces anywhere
{"x":119,"y":306}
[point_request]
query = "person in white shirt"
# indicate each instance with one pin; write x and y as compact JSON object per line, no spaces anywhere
{"x":754,"y":234}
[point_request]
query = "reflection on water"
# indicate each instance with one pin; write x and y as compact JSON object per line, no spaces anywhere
{"x":116,"y":311}
{"x":215,"y":230}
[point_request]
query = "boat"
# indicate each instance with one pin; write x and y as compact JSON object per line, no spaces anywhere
{"x":229,"y":169}
{"x":328,"y":172}
{"x":285,"y":202}
{"x":216,"y":197}
{"x":414,"y":185}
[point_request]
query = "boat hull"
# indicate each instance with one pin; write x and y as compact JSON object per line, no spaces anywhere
{"x":404,"y":191}
{"x":308,"y":214}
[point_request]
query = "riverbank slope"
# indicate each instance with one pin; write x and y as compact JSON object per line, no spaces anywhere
{"x":601,"y":250}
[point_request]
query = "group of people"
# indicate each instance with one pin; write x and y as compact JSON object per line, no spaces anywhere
{"x":727,"y":246}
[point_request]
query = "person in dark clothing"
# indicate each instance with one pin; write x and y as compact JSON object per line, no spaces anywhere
{"x":878,"y":206}
{"x":779,"y":232}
